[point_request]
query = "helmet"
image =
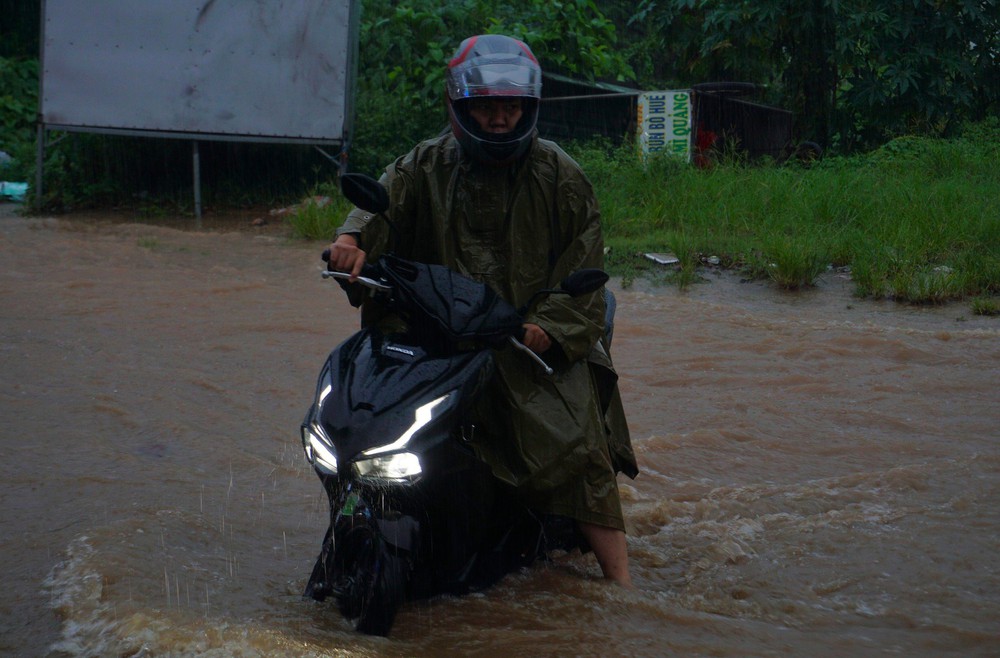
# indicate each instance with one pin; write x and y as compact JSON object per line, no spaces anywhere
{"x":493,"y":65}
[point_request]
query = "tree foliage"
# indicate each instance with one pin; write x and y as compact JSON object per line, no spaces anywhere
{"x":406,"y":45}
{"x":856,"y":72}
{"x":19,"y":28}
{"x":18,"y":100}
{"x":920,"y":66}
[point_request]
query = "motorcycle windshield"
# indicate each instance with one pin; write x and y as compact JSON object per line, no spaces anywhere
{"x":463,"y":309}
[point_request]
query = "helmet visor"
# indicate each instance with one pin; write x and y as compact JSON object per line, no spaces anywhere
{"x":510,"y":78}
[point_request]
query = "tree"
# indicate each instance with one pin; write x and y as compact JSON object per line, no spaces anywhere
{"x":406,"y":44}
{"x":19,"y":28}
{"x":855,"y":71}
{"x":918,"y":65}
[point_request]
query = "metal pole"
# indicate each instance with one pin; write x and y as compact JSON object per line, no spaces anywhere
{"x":39,"y":164}
{"x":590,"y":97}
{"x":197,"y":183}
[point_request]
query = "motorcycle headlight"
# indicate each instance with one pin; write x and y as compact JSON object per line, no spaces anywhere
{"x":314,"y":440}
{"x":397,"y":466}
{"x":388,"y":462}
{"x":423,"y":415}
{"x":317,"y":451}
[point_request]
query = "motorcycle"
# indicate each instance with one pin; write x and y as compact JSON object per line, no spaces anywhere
{"x":413,"y":512}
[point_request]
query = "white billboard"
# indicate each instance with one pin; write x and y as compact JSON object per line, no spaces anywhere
{"x":255,"y":70}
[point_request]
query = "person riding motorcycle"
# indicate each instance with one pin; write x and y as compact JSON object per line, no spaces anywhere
{"x":495,"y":202}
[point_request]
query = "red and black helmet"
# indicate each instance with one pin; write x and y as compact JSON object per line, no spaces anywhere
{"x":498,"y":66}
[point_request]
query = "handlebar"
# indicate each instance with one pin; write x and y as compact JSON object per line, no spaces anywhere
{"x":527,"y":350}
{"x":367,"y":278}
{"x":365,"y":281}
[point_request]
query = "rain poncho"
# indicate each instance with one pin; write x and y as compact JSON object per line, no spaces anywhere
{"x":558,"y":440}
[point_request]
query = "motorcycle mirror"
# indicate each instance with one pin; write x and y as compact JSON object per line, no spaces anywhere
{"x":583,"y":281}
{"x":578,"y":283}
{"x":365,"y":192}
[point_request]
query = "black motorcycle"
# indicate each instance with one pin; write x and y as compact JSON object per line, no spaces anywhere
{"x":413,"y":512}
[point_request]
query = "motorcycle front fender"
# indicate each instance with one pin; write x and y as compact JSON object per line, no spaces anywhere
{"x":402,"y":532}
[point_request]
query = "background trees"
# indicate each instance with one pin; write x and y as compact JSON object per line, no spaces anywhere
{"x":405,"y":45}
{"x":856,"y":72}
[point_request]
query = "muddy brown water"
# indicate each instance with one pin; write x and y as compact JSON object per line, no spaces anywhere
{"x":820,"y":475}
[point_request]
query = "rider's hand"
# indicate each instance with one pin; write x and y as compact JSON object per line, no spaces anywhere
{"x":535,"y":338}
{"x":346,"y":256}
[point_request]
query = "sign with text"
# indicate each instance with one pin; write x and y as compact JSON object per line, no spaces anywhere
{"x":664,"y":122}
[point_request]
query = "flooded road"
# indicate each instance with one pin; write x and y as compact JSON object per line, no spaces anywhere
{"x":820,"y":475}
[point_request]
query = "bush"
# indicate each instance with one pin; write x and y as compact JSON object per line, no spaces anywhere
{"x":18,"y":107}
{"x":318,"y":220}
{"x":917,"y":220}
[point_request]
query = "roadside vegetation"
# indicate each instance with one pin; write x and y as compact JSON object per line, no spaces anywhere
{"x":917,"y":220}
{"x":903,"y":98}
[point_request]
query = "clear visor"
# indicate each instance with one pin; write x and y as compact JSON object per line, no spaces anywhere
{"x":496,"y":79}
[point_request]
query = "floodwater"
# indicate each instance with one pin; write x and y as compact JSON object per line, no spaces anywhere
{"x":820,"y":475}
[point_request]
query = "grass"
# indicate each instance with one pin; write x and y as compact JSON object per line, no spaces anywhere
{"x":314,"y":219}
{"x":916,"y":221}
{"x":985,"y":306}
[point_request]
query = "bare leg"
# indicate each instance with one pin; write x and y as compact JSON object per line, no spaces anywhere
{"x":611,"y":551}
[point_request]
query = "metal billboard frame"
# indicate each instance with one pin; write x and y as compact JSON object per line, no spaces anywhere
{"x":187,"y":69}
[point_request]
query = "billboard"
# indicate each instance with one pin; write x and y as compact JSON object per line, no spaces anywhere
{"x":664,"y":123}
{"x":252,"y":70}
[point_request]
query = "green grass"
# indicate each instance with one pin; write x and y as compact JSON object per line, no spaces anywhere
{"x":984,"y":306}
{"x":917,"y":220}
{"x":315,"y":221}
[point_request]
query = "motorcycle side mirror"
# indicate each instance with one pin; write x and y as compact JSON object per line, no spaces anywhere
{"x":584,"y":281}
{"x":578,"y":283}
{"x":365,"y":192}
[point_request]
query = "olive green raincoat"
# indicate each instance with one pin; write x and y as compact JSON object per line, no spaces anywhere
{"x":558,"y":440}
